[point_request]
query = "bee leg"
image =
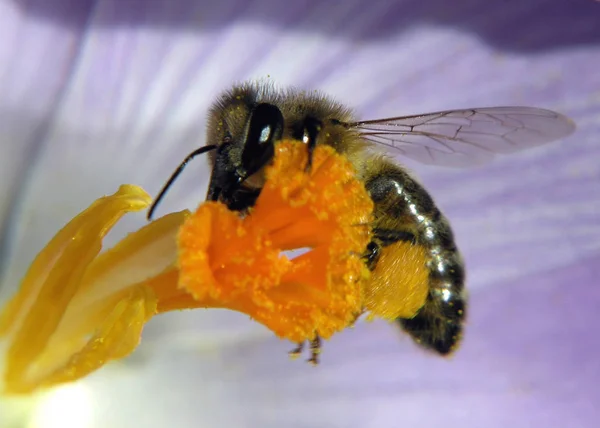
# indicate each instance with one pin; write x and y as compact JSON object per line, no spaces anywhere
{"x":310,"y":147}
{"x":315,"y":350}
{"x":309,"y":134}
{"x":372,"y":254}
{"x":295,"y":353}
{"x":356,"y":317}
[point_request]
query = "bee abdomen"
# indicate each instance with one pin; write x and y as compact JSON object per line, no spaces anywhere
{"x":438,"y":325}
{"x":405,"y":211}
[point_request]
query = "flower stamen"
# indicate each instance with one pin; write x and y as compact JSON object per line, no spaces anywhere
{"x":238,"y":263}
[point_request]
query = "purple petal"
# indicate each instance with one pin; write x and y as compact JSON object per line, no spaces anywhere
{"x":36,"y":60}
{"x":134,"y":103}
{"x":529,"y":359}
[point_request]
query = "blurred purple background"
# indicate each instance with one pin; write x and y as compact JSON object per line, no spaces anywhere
{"x":98,"y":93}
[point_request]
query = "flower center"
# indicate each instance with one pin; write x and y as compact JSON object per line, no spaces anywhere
{"x":238,"y":263}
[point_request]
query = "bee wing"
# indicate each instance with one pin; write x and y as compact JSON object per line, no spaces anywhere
{"x":461,"y":138}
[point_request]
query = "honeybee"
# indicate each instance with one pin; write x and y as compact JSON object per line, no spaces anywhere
{"x":247,"y":121}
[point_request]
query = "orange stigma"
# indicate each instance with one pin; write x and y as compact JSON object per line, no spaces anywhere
{"x":239,"y":263}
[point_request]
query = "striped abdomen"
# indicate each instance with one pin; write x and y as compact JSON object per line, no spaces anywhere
{"x":404,"y":211}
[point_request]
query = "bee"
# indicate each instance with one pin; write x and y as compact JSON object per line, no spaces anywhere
{"x":246,"y":122}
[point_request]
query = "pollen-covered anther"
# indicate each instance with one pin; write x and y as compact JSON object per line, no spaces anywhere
{"x":236,"y":262}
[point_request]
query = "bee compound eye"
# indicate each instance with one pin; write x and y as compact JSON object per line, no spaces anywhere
{"x":265,"y":128}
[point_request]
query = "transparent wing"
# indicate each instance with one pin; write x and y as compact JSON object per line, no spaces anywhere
{"x":461,"y":138}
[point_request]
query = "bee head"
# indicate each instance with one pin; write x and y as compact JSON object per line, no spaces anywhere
{"x":235,"y":161}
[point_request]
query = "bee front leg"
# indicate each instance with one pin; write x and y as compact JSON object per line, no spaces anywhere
{"x":309,"y":134}
{"x":310,"y":147}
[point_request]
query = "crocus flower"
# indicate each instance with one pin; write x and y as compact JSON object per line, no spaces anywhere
{"x":77,"y":309}
{"x":94,"y":94}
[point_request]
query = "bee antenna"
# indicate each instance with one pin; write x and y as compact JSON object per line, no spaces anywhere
{"x":174,"y":176}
